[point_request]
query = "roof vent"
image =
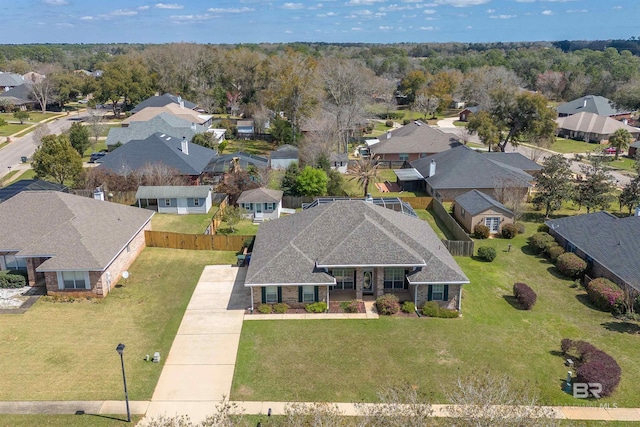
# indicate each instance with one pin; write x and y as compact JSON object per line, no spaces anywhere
{"x":417,"y":122}
{"x":162,"y":136}
{"x":388,"y":134}
{"x":432,"y":168}
{"x":368,"y":199}
{"x":98,"y":194}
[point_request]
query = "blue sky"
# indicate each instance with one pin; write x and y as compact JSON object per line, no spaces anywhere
{"x":254,"y":21}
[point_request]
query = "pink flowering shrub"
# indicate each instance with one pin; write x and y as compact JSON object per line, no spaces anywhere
{"x":605,"y":295}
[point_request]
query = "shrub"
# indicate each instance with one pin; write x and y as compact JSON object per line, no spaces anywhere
{"x":408,"y":307}
{"x":394,"y":115}
{"x":406,"y":122}
{"x":509,"y":231}
{"x":349,"y":306}
{"x":605,"y":295}
{"x":448,"y":313}
{"x":316,"y":307}
{"x":280,"y":308}
{"x":12,"y":281}
{"x":570,"y":265}
{"x":543,"y":228}
{"x":481,"y":231}
{"x":554,"y":252}
{"x":389,"y":123}
{"x":593,"y":365}
{"x":521,"y":228}
{"x":487,"y":253}
{"x":387,"y":304}
{"x":265,"y":308}
{"x":525,"y":295}
{"x":549,"y":245}
{"x":539,"y":241}
{"x":432,"y":309}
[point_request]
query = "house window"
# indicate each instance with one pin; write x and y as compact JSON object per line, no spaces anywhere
{"x":74,"y":280}
{"x":437,"y":292}
{"x":393,"y":278}
{"x":167,"y":202}
{"x":493,"y":222}
{"x":13,"y":263}
{"x":403,"y":156}
{"x":271,"y":294}
{"x":571,"y":247}
{"x":196,"y":202}
{"x":344,"y":278}
{"x":462,"y":212}
{"x":308,"y":294}
{"x":268,"y":206}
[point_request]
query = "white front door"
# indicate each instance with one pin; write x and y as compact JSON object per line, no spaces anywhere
{"x":182,"y":206}
{"x":493,"y":223}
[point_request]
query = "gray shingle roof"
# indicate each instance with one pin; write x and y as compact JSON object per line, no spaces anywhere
{"x":79,"y":233}
{"x":462,"y":167}
{"x":21,"y":92}
{"x":515,"y":160}
{"x":260,"y":195}
{"x":172,"y":192}
{"x":593,"y":123}
{"x":11,"y":79}
{"x":164,"y":123}
{"x":220,"y":164}
{"x":291,"y":153}
{"x":415,"y":138}
{"x":158,"y":149}
{"x":161,"y":101}
{"x":635,"y":144}
{"x":476,"y":202}
{"x":29,"y":185}
{"x":289,"y":250}
{"x":613,"y":242}
{"x":591,"y":104}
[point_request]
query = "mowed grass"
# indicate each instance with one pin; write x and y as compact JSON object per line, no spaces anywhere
{"x":12,"y":128}
{"x":244,"y":227}
{"x":353,"y":189}
{"x":564,"y":146}
{"x":189,"y":224}
{"x":67,"y":420}
{"x":257,"y":147}
{"x":351,"y":360}
{"x":66,"y":351}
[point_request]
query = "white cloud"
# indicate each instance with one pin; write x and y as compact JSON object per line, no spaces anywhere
{"x":547,"y":12}
{"x":64,"y":25}
{"x":363,"y":2}
{"x":87,"y":18}
{"x":124,"y":12}
{"x":577,"y":11}
{"x":55,"y":2}
{"x":502,"y":16}
{"x":385,"y":28}
{"x":326,"y":15}
{"x":293,"y":6}
{"x":395,"y":8}
{"x":191,"y":18}
{"x":462,"y":3}
{"x":429,"y":28}
{"x":230,"y":9}
{"x":618,"y":7}
{"x":288,"y":32}
{"x":491,"y":11}
{"x":429,"y":11}
{"x":356,"y":28}
{"x":172,"y":6}
{"x":143,"y":7}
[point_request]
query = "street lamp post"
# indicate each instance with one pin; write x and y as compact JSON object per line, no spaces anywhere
{"x":120,"y":350}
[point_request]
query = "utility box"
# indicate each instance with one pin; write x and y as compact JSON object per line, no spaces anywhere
{"x":156,"y":357}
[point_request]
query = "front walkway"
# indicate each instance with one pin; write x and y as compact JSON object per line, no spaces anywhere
{"x":199,"y":368}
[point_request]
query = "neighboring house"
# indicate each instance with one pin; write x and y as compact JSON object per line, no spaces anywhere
{"x":411,"y":142}
{"x":353,"y":249}
{"x":451,"y":173}
{"x":261,"y":203}
{"x":10,"y":80}
{"x":29,"y":185}
{"x":283,"y":157}
{"x":591,"y":127}
{"x":246,"y":128}
{"x":220,"y":164}
{"x":185,"y":158}
{"x":608,"y":244}
{"x":162,"y":100}
{"x":218,"y":134}
{"x":467,"y":112}
{"x":339,"y":162}
{"x":592,"y":104}
{"x":80,"y":247}
{"x":633,"y":149}
{"x":179,"y":199}
{"x":175,"y":109}
{"x":164,"y":123}
{"x":475,"y":207}
{"x":20,"y":96}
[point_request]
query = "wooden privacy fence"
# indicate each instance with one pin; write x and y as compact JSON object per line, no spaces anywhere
{"x":202,"y":242}
{"x":418,"y":202}
{"x":459,"y":247}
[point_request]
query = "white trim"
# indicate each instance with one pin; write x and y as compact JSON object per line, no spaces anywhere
{"x":438,"y":283}
{"x":87,"y":282}
{"x":424,"y":264}
{"x":251,"y":285}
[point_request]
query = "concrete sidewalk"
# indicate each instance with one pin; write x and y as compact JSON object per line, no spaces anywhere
{"x":70,"y":407}
{"x":199,"y":368}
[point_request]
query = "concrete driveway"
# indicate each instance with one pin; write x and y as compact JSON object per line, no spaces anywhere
{"x":199,"y":368}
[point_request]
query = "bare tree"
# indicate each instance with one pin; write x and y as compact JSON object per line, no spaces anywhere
{"x":41,"y":89}
{"x":322,"y":138}
{"x":426,"y":104}
{"x":399,"y":407}
{"x":96,"y":126}
{"x":480,"y":83}
{"x":40,"y":132}
{"x":160,"y":174}
{"x":511,"y":192}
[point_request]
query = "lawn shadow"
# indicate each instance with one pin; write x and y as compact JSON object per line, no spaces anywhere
{"x":513,"y":302}
{"x":554,"y":271}
{"x":124,"y":420}
{"x":584,"y":300}
{"x":622,"y":326}
{"x":528,"y":251}
{"x":240,"y":297}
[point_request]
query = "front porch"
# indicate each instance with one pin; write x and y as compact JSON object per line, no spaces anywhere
{"x":350,"y":294}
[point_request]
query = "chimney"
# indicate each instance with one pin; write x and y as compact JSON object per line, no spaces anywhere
{"x":388,"y":134}
{"x":193,"y":127}
{"x":432,"y":168}
{"x":98,"y":194}
{"x":368,"y":199}
{"x":584,"y":104}
{"x":185,"y":145}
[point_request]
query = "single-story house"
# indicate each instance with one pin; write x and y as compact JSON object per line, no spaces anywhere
{"x":180,"y":199}
{"x":10,"y":80}
{"x":164,"y":123}
{"x":29,"y":185}
{"x":284,"y":156}
{"x":454,"y":172}
{"x":339,"y":162}
{"x":467,"y":112}
{"x":19,"y":96}
{"x":162,"y":100}
{"x":185,"y":158}
{"x":171,"y":108}
{"x":592,"y":104}
{"x":261,"y":203}
{"x":351,"y":249}
{"x":591,"y":127}
{"x":475,"y":207}
{"x":610,"y":245}
{"x":633,"y":149}
{"x":80,"y":247}
{"x":411,"y":142}
{"x":220,"y":164}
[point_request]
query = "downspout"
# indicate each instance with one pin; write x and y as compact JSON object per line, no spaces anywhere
{"x":459,"y":297}
{"x":251,"y":300}
{"x":327,"y":298}
{"x":415,"y":296}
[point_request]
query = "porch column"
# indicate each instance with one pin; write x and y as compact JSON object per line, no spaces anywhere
{"x":327,"y":297}
{"x":359,"y":281}
{"x":252,"y":299}
{"x":378,"y":290}
{"x":459,"y":297}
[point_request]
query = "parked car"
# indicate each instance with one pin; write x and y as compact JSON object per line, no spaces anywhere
{"x":96,"y":156}
{"x":610,"y":150}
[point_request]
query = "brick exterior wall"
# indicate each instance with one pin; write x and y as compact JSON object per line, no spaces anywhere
{"x":378,"y":280}
{"x":289,"y":295}
{"x":468,"y":221}
{"x":423,"y":293}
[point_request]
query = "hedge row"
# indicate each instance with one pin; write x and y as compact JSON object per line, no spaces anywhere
{"x":12,"y":281}
{"x":593,"y":365}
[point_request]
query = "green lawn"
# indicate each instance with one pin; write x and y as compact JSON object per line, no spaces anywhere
{"x":66,"y":351}
{"x":28,"y":174}
{"x":564,"y":146}
{"x":436,"y":224}
{"x":190,"y":224}
{"x":67,"y":420}
{"x":12,"y":128}
{"x":349,"y":360}
{"x":623,"y":163}
{"x":257,"y":147}
{"x":244,"y":227}
{"x":353,"y":189}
